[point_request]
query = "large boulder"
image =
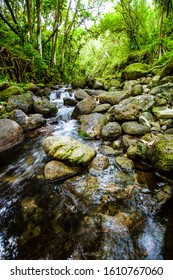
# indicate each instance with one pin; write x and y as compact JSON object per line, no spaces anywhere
{"x":6,"y":93}
{"x":84,"y":107}
{"x":45,"y":108}
{"x":161,"y":153}
{"x":58,"y":170}
{"x":130,"y":108}
{"x":111,"y":131}
{"x":112,"y":97}
{"x":69,"y":150}
{"x":30,"y":122}
{"x":80,"y":95}
{"x":91,"y":125}
{"x":134,"y":128}
{"x":11,"y":134}
{"x":135,"y":71}
{"x":23,"y":102}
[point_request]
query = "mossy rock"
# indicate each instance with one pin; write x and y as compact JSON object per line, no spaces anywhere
{"x":4,"y":85}
{"x":23,"y":102}
{"x":78,"y":83}
{"x":161,"y":153}
{"x":135,"y":71}
{"x":6,"y":93}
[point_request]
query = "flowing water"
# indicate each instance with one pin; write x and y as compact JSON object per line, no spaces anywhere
{"x":99,"y":214}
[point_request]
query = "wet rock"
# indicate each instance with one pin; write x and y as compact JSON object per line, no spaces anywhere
{"x":124,"y":163}
{"x":146,"y":118}
{"x":81,"y":95}
{"x":101,"y":108}
{"x":69,"y":101}
{"x":131,"y":108}
{"x":2,"y":110}
{"x":6,"y":93}
{"x":99,"y":163}
{"x":128,"y":140}
{"x":116,"y":144}
{"x":84,"y":107}
{"x":58,"y":170}
{"x":122,"y":179}
{"x":27,"y":123}
{"x":11,"y":134}
{"x":112,"y":97}
{"x":45,"y":108}
{"x":109,"y":151}
{"x":91,"y":125}
{"x":67,"y":149}
{"x":135,"y":71}
{"x":23,"y":102}
{"x":137,"y":150}
{"x":30,"y":210}
{"x":161,"y":153}
{"x":163,"y":114}
{"x":162,"y":88}
{"x":134,"y":128}
{"x":164,"y":194}
{"x":111,"y":131}
{"x":30,"y":232}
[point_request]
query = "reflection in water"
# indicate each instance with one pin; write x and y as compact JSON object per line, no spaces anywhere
{"x":101,"y":214}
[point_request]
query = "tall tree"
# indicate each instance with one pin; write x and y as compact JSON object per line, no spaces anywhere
{"x":39,"y":37}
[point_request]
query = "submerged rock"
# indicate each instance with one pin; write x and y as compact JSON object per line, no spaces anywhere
{"x":11,"y":134}
{"x":67,"y":149}
{"x":57,"y":170}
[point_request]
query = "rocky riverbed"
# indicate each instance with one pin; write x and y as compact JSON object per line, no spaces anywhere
{"x":93,"y":161}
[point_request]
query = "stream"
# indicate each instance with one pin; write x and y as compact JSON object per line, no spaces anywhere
{"x":99,"y":214}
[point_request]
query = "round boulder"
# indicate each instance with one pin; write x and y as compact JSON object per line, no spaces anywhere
{"x":11,"y":134}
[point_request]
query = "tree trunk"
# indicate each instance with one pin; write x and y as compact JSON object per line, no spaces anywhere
{"x":29,"y":18}
{"x":39,"y":42}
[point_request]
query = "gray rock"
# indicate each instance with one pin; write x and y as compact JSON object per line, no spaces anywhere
{"x":112,"y":97}
{"x":101,"y":108}
{"x":45,"y":108}
{"x":11,"y":134}
{"x":81,"y":95}
{"x":111,"y":131}
{"x":84,"y":107}
{"x":22,"y":102}
{"x":100,"y":162}
{"x":131,"y":108}
{"x":58,"y":170}
{"x":124,"y":162}
{"x":91,"y":125}
{"x":134,"y":128}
